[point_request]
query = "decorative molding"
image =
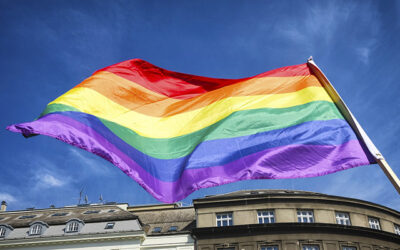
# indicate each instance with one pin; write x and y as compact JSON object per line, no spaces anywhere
{"x":292,"y":228}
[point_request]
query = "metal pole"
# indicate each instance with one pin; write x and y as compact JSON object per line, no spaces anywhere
{"x":389,"y":173}
{"x":354,"y":124}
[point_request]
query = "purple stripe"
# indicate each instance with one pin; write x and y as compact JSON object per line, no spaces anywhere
{"x":292,"y":161}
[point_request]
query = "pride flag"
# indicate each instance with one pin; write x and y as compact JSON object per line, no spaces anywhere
{"x":175,"y":133}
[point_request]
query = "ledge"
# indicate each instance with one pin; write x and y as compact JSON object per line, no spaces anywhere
{"x":292,"y":228}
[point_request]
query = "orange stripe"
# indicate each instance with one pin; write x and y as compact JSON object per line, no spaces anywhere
{"x":185,"y":86}
{"x":135,"y":97}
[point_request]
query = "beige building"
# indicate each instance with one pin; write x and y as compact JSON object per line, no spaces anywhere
{"x":293,"y":220}
{"x":167,"y":226}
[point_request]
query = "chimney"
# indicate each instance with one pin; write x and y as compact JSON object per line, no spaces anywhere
{"x":3,"y":206}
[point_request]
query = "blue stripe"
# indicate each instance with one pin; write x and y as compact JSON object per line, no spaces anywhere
{"x":222,"y":151}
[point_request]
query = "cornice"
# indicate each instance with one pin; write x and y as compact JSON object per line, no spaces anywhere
{"x":291,"y":228}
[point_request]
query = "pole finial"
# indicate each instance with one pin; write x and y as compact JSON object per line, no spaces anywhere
{"x":310,"y":59}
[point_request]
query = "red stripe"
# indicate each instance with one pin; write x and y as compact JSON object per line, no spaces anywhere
{"x":184,"y":86}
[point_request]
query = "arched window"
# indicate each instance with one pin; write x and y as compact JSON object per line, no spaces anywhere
{"x":37,"y":228}
{"x":74,"y":225}
{"x":5,"y":230}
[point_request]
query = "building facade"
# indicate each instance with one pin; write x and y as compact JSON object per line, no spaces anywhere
{"x":99,"y":226}
{"x":167,"y":226}
{"x":243,"y":220}
{"x":293,"y":220}
{"x":102,"y":226}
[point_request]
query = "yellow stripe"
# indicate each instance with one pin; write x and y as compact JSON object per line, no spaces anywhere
{"x":91,"y":102}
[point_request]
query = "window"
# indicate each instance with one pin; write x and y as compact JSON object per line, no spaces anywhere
{"x":374,"y":223}
{"x":111,"y":211}
{"x":36,"y":229}
{"x":27,"y":217}
{"x":305,"y":216}
{"x":397,"y":229}
{"x":5,"y":229}
{"x":342,"y":218}
{"x":72,"y":227}
{"x":173,"y":229}
{"x":269,"y":248}
{"x":110,"y":225}
{"x":224,"y":219}
{"x":92,"y":212}
{"x":59,"y":214}
{"x":310,"y":247}
{"x":156,"y":230}
{"x":265,"y":217}
{"x":348,"y":248}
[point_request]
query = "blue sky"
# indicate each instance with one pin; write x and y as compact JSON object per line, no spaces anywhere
{"x":47,"y":47}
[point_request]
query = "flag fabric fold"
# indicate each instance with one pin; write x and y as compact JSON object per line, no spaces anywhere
{"x":175,"y":133}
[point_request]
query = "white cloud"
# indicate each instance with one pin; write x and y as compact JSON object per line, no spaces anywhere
{"x":52,"y":181}
{"x":7,"y":197}
{"x":45,"y":178}
{"x":323,"y":24}
{"x":352,"y":183}
{"x":317,"y":25}
{"x":88,"y":160}
{"x":364,"y":53}
{"x":46,"y":172}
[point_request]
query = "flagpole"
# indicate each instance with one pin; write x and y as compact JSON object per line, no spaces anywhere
{"x":354,"y":124}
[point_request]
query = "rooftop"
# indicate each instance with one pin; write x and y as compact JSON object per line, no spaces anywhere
{"x":164,"y":220}
{"x":57,"y":216}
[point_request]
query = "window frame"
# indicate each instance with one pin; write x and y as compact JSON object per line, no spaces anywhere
{"x":3,"y":231}
{"x":347,"y":247}
{"x":91,"y":212}
{"x":59,"y":214}
{"x":69,"y":229}
{"x":229,"y":218}
{"x":269,"y":245}
{"x":301,"y":211}
{"x":341,"y":218}
{"x":73,"y":227}
{"x":226,"y":246}
{"x":109,"y":225}
{"x":343,"y":245}
{"x":36,"y":229}
{"x":310,"y":244}
{"x":268,"y":217}
{"x":23,"y":217}
{"x":396,"y":229}
{"x":370,"y":218}
{"x":6,"y":229}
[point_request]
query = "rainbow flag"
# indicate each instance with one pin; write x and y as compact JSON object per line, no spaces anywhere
{"x":175,"y":133}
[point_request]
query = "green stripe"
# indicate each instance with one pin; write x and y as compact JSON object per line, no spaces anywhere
{"x":240,"y":123}
{"x":57,"y":108}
